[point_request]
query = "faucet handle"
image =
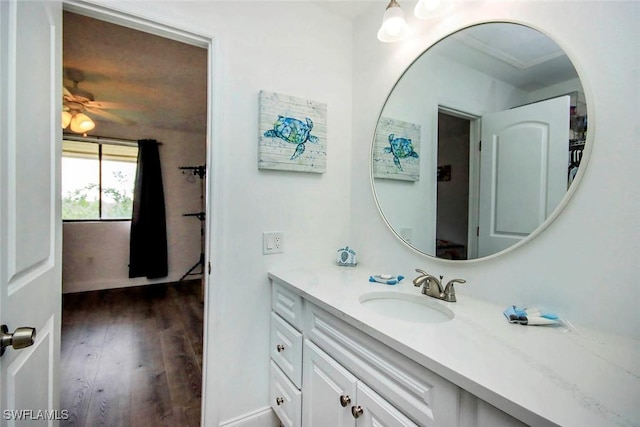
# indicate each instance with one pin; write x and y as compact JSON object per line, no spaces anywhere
{"x":450,"y":292}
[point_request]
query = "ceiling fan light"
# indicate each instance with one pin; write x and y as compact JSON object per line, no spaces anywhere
{"x":81,"y":123}
{"x":426,"y":9}
{"x":66,"y":119}
{"x":394,"y":27}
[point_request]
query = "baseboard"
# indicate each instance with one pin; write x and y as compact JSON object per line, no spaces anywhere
{"x":263,"y":417}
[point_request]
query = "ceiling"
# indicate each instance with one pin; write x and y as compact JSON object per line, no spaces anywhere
{"x":351,"y":9}
{"x":138,"y":69}
{"x":161,"y":83}
{"x":513,"y":53}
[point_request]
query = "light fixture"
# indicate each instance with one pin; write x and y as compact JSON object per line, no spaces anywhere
{"x":426,"y":9}
{"x":66,"y":119}
{"x":78,"y":122}
{"x":394,"y":27}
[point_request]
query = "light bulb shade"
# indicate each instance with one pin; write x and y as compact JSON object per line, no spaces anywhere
{"x":66,"y":119}
{"x":394,"y":27}
{"x":81,"y":123}
{"x":427,"y":9}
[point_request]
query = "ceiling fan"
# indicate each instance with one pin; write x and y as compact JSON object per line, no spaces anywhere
{"x":76,"y":102}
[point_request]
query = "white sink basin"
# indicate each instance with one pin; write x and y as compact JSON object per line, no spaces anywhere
{"x":413,"y":308}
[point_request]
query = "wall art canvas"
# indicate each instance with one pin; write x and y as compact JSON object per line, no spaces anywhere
{"x":396,"y":149}
{"x":293,"y":133}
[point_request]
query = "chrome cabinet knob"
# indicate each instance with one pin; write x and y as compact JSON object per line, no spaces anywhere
{"x":21,"y":338}
{"x":356,"y":411}
{"x":279,"y":401}
{"x":345,"y":400}
{"x":280,"y":347}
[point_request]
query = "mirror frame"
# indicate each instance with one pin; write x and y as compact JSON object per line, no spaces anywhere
{"x":589,"y":141}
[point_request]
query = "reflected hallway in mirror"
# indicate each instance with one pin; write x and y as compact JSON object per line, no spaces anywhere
{"x":452,"y":221}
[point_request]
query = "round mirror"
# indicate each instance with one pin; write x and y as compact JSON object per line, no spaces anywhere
{"x":479,"y":141}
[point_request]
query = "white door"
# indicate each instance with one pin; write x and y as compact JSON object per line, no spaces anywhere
{"x":523,"y":171}
{"x":329,"y":390}
{"x":30,"y":225}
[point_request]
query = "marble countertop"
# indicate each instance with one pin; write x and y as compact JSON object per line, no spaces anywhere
{"x":542,"y":375}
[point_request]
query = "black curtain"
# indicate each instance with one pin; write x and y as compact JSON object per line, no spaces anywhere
{"x":148,"y":242}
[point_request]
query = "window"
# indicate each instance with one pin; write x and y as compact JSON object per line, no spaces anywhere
{"x":97,"y":180}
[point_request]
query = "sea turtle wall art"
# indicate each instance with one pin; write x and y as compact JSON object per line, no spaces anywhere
{"x":396,"y":150}
{"x":292,"y":133}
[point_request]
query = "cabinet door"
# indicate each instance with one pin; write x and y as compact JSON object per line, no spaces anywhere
{"x":372,"y":410}
{"x":329,"y":390}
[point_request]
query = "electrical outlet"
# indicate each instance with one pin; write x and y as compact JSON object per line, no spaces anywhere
{"x":406,"y":234}
{"x":272,"y":242}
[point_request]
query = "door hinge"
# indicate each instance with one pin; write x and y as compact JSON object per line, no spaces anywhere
{"x":477,"y":231}
{"x":209,"y":266}
{"x":480,"y":146}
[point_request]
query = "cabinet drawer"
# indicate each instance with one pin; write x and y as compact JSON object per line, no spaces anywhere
{"x":287,"y":304}
{"x":286,"y":349}
{"x":425,"y":397}
{"x":286,"y":399}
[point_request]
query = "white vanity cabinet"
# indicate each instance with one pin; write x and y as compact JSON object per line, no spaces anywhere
{"x":474,"y":370}
{"x":286,"y":356}
{"x":334,"y":397}
{"x":396,"y":388}
{"x":348,"y":378}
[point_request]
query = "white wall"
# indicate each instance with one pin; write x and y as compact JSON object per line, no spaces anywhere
{"x":298,"y":49}
{"x":95,"y":255}
{"x":291,"y":48}
{"x":584,"y":266}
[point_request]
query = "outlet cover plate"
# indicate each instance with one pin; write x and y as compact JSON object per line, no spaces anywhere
{"x":272,"y":242}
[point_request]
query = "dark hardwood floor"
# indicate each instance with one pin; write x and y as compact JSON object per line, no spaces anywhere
{"x":132,"y":356}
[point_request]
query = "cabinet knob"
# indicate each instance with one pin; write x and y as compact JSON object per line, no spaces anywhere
{"x":279,"y":401}
{"x":345,"y":400}
{"x":356,"y":411}
{"x":280,"y":347}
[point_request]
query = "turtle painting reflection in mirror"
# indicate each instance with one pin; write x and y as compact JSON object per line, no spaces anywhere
{"x":400,"y":148}
{"x":396,"y":150}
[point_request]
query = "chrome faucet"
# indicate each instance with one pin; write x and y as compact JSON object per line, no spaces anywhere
{"x":432,"y":286}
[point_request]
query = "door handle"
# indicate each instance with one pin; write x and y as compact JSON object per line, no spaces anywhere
{"x":21,"y":338}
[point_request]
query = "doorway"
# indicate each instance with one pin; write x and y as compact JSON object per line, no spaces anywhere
{"x":453,"y":187}
{"x":457,"y":184}
{"x":133,"y":348}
